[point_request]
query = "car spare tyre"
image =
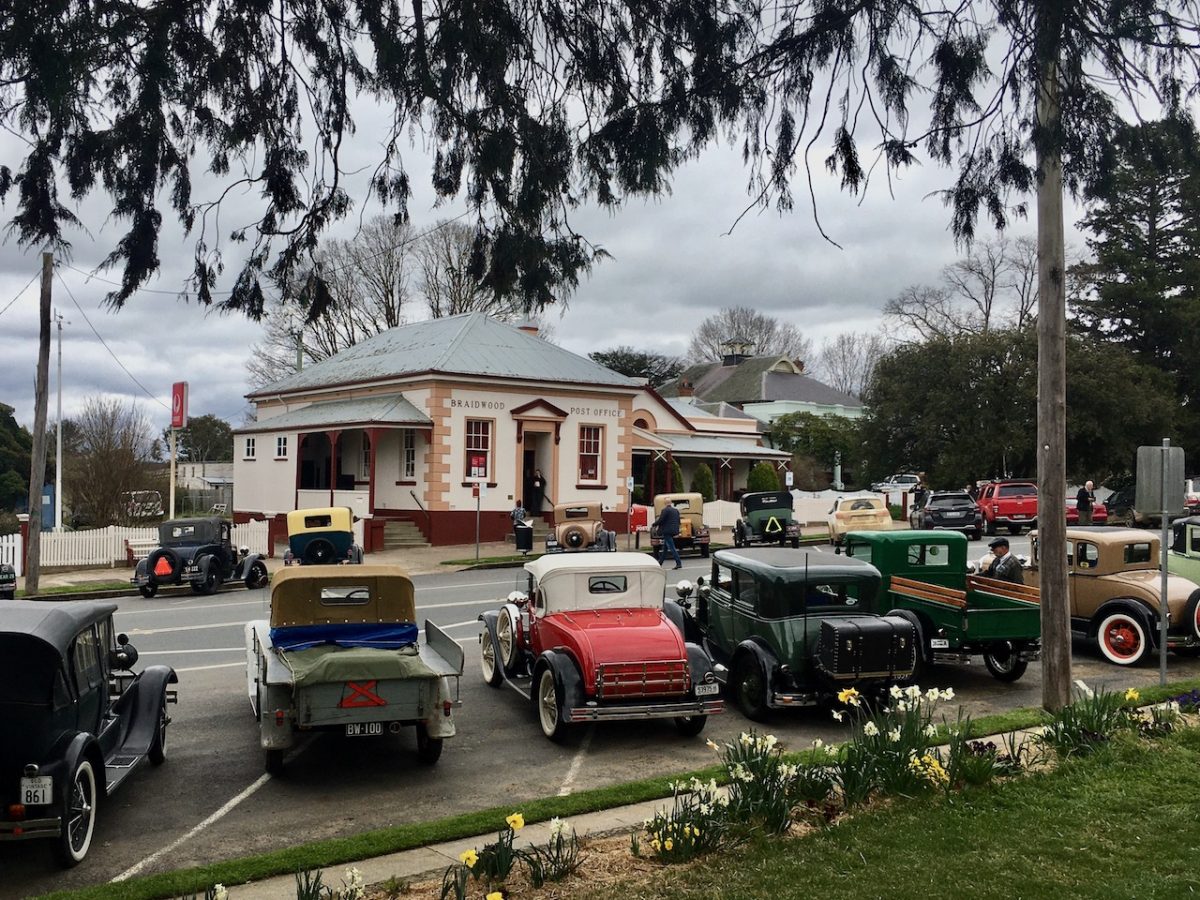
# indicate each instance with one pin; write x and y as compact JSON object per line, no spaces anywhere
{"x":318,"y":552}
{"x":164,"y":565}
{"x":574,"y":537}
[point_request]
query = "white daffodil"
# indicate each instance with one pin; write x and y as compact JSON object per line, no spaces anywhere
{"x":837,"y":715}
{"x":894,"y":735}
{"x":913,"y":692}
{"x":896,"y":692}
{"x":818,"y":744}
{"x":948,"y":694}
{"x":930,"y":730}
{"x":220,"y":892}
{"x":870,"y":729}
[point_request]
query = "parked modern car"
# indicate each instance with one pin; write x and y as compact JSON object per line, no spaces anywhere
{"x":1121,"y":510}
{"x":77,"y":720}
{"x":951,"y":511}
{"x":794,"y":627}
{"x":1008,"y":504}
{"x":693,"y":533}
{"x":1115,"y":594}
{"x":580,"y":526}
{"x":8,"y":582}
{"x":199,"y":552}
{"x":857,"y":514}
{"x":1099,"y":512}
{"x":897,"y":483}
{"x":766,"y":518}
{"x":594,"y":639}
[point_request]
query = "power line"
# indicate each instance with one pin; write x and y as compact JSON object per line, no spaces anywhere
{"x":105,"y":344}
{"x":19,"y":293}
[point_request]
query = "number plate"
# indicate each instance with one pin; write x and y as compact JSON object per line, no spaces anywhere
{"x":939,"y":643}
{"x":37,"y":791}
{"x":706,"y":690}
{"x":364,"y":729}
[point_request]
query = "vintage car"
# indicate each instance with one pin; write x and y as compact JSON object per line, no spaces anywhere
{"x":948,"y":510}
{"x":1099,"y":512}
{"x":766,"y":518}
{"x":77,"y":720}
{"x":857,"y":514}
{"x":580,"y":526}
{"x":693,"y":533}
{"x":1008,"y":504}
{"x":322,"y":536}
{"x":594,"y":640}
{"x":957,"y":615}
{"x":1115,"y":584}
{"x":199,"y":552}
{"x":794,"y":627}
{"x":341,"y":653}
{"x":8,"y":582}
{"x":1183,"y":556}
{"x":894,"y":484}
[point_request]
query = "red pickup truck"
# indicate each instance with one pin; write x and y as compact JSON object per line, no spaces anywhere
{"x":1009,"y":504}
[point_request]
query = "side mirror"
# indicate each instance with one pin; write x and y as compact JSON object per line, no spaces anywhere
{"x":700,"y":582}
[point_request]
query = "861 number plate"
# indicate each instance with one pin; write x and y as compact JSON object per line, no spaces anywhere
{"x":37,"y":791}
{"x":364,"y":729}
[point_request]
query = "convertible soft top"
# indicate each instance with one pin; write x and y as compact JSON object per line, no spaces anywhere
{"x":54,"y":623}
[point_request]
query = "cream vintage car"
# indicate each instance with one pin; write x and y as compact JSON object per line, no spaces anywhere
{"x":857,"y":514}
{"x":580,"y":526}
{"x":1115,"y":584}
{"x":693,"y":533}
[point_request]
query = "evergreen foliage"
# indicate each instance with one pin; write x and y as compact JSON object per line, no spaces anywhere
{"x":702,"y":483}
{"x":763,"y":477}
{"x":16,"y":444}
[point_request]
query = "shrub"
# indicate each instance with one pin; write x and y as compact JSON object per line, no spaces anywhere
{"x":703,"y":484}
{"x":1091,"y":721}
{"x":763,"y":477}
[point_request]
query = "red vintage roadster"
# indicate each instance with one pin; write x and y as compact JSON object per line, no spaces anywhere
{"x":594,"y":639}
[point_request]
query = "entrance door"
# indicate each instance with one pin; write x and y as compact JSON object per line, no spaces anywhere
{"x":529,"y":463}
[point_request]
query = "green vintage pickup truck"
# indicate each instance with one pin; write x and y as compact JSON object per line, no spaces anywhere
{"x":957,"y":615}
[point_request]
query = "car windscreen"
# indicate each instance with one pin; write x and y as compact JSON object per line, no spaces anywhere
{"x":1017,"y":490}
{"x":178,"y":533}
{"x":950,"y":501}
{"x":30,"y":668}
{"x":773,"y":500}
{"x":862,"y":504}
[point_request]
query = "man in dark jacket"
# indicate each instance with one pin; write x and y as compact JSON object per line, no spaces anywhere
{"x":668,"y":528}
{"x":1005,"y":566}
{"x":1083,"y":502}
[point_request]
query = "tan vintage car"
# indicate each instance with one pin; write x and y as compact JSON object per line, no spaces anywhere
{"x":857,"y":514}
{"x":693,"y":533}
{"x":1115,"y":583}
{"x":580,"y":526}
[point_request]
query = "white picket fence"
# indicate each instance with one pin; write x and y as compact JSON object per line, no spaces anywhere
{"x":106,"y":546}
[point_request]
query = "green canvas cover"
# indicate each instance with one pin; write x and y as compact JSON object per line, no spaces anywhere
{"x":331,"y":665}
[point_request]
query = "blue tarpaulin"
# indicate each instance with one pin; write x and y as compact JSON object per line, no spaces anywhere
{"x":379,"y":636}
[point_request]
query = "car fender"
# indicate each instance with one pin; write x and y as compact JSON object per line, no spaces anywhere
{"x":1133,"y":606}
{"x":567,"y":678}
{"x":1190,"y":611}
{"x":243,"y":566}
{"x":140,"y":574}
{"x":683,"y":621}
{"x":763,"y":655}
{"x":62,"y":765}
{"x":142,"y":701}
{"x":700,"y":664}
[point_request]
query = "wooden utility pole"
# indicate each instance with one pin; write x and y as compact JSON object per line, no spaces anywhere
{"x":37,"y":467}
{"x":1052,"y":393}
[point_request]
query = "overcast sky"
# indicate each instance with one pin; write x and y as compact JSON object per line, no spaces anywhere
{"x":673,"y":263}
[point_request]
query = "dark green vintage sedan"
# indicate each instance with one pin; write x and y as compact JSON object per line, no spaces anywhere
{"x":795,"y":627}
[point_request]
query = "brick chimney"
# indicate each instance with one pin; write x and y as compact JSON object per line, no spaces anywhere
{"x":799,"y":364}
{"x":529,"y":327}
{"x":686,"y":389}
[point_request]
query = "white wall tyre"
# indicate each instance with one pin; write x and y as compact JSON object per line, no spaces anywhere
{"x":1122,"y":639}
{"x":550,"y":707}
{"x":506,"y":637}
{"x":78,"y":815}
{"x":487,"y":660}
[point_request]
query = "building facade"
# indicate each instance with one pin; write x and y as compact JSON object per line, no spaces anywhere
{"x":413,"y":423}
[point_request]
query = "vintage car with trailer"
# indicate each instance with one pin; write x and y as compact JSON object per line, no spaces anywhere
{"x":950,"y":511}
{"x":77,"y":721}
{"x":1008,"y":504}
{"x":794,"y":627}
{"x":341,"y":653}
{"x":593,"y":639}
{"x":1115,"y":585}
{"x":766,"y":518}
{"x":579,"y":526}
{"x":198,"y":552}
{"x":857,"y":514}
{"x":8,"y":582}
{"x":322,"y":536}
{"x":956,"y":615}
{"x":693,"y":533}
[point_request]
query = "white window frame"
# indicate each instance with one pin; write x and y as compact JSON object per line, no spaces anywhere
{"x":281,"y":447}
{"x":409,"y":454}
{"x":596,"y":451}
{"x":479,"y":442}
{"x":248,"y":451}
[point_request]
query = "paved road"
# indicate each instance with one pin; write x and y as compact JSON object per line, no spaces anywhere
{"x":212,"y":800}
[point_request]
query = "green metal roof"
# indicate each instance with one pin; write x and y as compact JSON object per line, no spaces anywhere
{"x":384,"y":410}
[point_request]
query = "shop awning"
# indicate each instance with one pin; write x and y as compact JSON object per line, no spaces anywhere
{"x":710,"y":446}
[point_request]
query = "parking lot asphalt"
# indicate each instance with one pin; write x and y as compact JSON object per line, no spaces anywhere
{"x":212,"y":799}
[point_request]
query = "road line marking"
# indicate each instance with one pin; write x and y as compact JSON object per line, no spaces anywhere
{"x":215,"y":817}
{"x":459,"y":587}
{"x":204,"y":650}
{"x":183,"y":605}
{"x":145,"y":631}
{"x":576,"y":764}
{"x":216,"y":666}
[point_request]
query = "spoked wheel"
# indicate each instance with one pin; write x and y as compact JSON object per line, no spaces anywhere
{"x":549,"y":707}
{"x":1122,"y":639}
{"x":487,"y":660}
{"x":257,"y":577}
{"x":157,"y":753}
{"x":78,"y":816}
{"x":148,"y":590}
{"x":1004,"y":662}
{"x":749,"y":689}
{"x":690,"y":726}
{"x":506,"y":637}
{"x":428,"y":748}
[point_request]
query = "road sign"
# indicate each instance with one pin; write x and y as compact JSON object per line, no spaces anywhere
{"x":1150,"y":480}
{"x":789,"y":478}
{"x":474,"y":490}
{"x":629,"y":483}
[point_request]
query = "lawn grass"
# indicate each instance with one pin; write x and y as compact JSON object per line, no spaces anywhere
{"x":82,"y":587}
{"x":337,"y":851}
{"x":1119,"y":824}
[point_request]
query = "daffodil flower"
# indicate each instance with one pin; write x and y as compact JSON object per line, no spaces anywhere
{"x":469,"y":858}
{"x":870,"y":729}
{"x":669,"y":844}
{"x":516,"y":821}
{"x":837,"y":715}
{"x":656,"y":844}
{"x":849,"y":696}
{"x":894,"y":735}
{"x":1133,"y":695}
{"x":495,"y":895}
{"x":713,"y":745}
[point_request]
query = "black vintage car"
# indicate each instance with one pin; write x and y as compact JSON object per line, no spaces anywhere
{"x":199,"y":552}
{"x":948,"y":510}
{"x":8,"y":582}
{"x":766,"y":518}
{"x":76,"y":720}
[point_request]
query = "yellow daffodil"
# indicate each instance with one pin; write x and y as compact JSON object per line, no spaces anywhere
{"x":669,"y":844}
{"x":516,"y":821}
{"x":848,"y":696}
{"x":469,"y":858}
{"x":656,"y":844}
{"x":495,"y":895}
{"x":1133,"y":695}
